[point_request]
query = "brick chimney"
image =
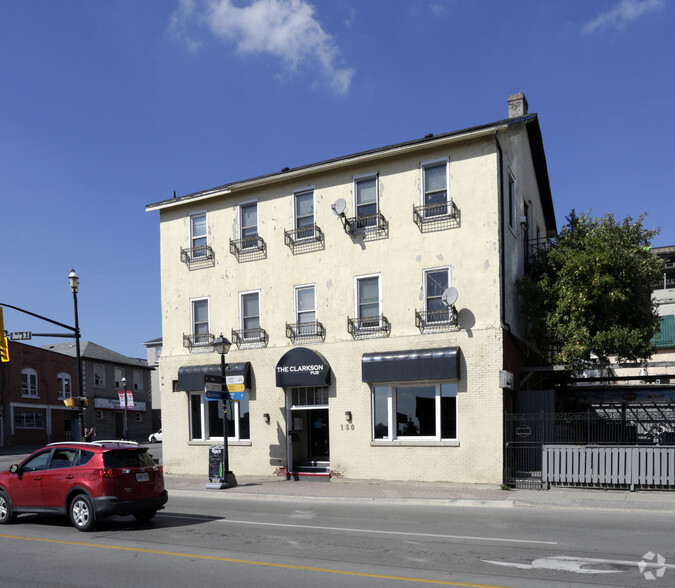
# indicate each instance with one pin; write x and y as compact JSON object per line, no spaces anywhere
{"x":517,"y":105}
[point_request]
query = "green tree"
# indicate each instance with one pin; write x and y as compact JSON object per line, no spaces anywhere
{"x":590,"y":291}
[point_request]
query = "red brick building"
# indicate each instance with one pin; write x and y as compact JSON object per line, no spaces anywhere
{"x":33,"y":386}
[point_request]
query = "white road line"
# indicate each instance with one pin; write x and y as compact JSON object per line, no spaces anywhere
{"x":365,"y":531}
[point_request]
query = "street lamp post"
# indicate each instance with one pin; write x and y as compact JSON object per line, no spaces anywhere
{"x":74,"y":285}
{"x":222,"y":345}
{"x":124,"y":392}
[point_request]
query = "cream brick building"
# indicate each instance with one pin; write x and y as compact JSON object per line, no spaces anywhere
{"x":371,"y":304}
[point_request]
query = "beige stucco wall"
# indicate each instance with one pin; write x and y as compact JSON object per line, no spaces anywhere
{"x":472,"y":250}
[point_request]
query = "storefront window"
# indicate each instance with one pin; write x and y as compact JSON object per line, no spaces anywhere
{"x":422,"y":412}
{"x":210,"y":413}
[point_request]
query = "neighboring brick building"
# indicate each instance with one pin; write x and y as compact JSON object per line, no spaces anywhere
{"x":33,"y":386}
{"x":371,"y":304}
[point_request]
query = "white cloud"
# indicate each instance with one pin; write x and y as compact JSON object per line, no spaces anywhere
{"x":626,"y":12}
{"x":287,"y":29}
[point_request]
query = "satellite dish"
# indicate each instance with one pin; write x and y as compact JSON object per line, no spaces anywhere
{"x":339,"y":206}
{"x":449,"y":296}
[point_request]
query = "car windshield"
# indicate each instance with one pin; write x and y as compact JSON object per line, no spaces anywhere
{"x":127,"y":458}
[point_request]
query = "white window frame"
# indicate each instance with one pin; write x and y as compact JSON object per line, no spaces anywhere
{"x":423,"y":191}
{"x":99,"y":375}
{"x":194,"y":238}
{"x":242,"y":318}
{"x":390,"y":391}
{"x":306,"y":233}
{"x":64,"y":386}
{"x":357,"y":304}
{"x":447,"y":269}
{"x":356,"y":180}
{"x":30,"y":388}
{"x":298,"y":312}
{"x":193,"y":324}
{"x":203,"y":410}
{"x":246,"y":238}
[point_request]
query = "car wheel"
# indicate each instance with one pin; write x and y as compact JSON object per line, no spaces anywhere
{"x":6,"y":514}
{"x":82,"y":513}
{"x":145,"y":515}
{"x":153,"y":439}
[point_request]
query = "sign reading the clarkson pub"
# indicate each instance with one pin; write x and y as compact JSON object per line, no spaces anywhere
{"x":302,"y":367}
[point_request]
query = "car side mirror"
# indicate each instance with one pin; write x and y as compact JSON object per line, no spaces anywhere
{"x":14,"y":468}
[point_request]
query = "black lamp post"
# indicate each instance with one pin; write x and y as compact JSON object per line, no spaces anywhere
{"x":124,"y":391}
{"x":222,"y":345}
{"x":74,"y":285}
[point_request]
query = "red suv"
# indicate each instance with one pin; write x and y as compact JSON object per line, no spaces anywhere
{"x":85,"y":481}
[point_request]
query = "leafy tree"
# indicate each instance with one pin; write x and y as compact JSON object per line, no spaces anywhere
{"x":590,"y":291}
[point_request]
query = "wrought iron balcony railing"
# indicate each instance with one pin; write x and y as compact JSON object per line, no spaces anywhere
{"x":198,"y":340}
{"x":257,"y":337}
{"x":365,"y":223}
{"x":304,"y":237}
{"x":436,"y":320}
{"x":311,"y":330}
{"x":202,"y":254}
{"x":440,"y":214}
{"x":253,"y":247}
{"x":372,"y":326}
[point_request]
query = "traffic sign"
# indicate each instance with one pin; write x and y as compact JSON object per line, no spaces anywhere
{"x":213,"y":387}
{"x":236,"y":396}
{"x":234,"y":379}
{"x":209,"y":378}
{"x":235,"y":387}
{"x":214,"y":395}
{"x":21,"y":336}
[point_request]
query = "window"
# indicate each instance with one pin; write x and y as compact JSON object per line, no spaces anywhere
{"x":512,"y":201}
{"x":29,"y":382}
{"x":158,"y":354}
{"x":435,"y":188}
{"x":207,"y":419}
{"x":366,"y":202}
{"x":415,"y":412}
{"x":63,"y":386}
{"x":368,"y":301}
{"x":29,"y":420}
{"x":436,"y":281}
{"x":304,"y":214}
{"x":198,"y":240}
{"x":250,"y":311}
{"x":305,"y":304}
{"x":249,"y":225}
{"x":200,"y":321}
{"x":99,"y":374}
{"x":138,"y":380}
{"x":119,"y":374}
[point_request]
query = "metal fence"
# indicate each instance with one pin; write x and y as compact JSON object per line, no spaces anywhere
{"x":605,"y":425}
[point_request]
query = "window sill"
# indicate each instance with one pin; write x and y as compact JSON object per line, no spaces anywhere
{"x":407,"y":443}
{"x":217,"y":441}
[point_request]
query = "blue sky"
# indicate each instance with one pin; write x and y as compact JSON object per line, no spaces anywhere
{"x":108,"y":106}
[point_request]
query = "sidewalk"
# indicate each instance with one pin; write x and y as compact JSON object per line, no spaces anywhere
{"x":425,"y":493}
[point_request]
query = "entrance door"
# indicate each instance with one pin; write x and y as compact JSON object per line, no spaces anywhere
{"x":319,"y":447}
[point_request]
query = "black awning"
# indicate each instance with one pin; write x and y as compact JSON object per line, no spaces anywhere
{"x":412,"y":365}
{"x":191,"y":377}
{"x":302,"y":367}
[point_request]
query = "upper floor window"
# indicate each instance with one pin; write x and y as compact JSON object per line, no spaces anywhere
{"x":305,"y":304}
{"x":250,"y":310}
{"x":304,"y":214}
{"x":138,"y":380}
{"x":436,"y":281}
{"x":99,"y":374}
{"x":512,"y":201}
{"x":368,"y":301}
{"x":29,"y":382}
{"x":200,"y":321}
{"x":435,"y":188}
{"x":119,"y":374}
{"x":366,"y":201}
{"x":63,"y":386}
{"x":198,"y":239}
{"x":249,"y":225}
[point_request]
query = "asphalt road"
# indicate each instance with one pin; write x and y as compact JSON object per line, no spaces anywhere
{"x":247,"y":542}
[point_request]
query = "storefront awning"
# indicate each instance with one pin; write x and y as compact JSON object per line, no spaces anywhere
{"x":412,"y":365}
{"x":191,"y":377}
{"x":302,"y":367}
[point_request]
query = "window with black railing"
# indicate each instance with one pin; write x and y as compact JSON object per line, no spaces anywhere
{"x":312,"y":330}
{"x":257,"y":337}
{"x":370,"y":326}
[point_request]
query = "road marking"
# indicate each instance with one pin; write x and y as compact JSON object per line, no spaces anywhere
{"x":581,"y":565}
{"x":366,"y":531}
{"x":252,"y":563}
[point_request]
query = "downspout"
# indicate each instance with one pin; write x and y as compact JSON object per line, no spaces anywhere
{"x":502,"y":260}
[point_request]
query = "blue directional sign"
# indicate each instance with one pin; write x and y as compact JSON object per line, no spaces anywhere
{"x":209,"y":395}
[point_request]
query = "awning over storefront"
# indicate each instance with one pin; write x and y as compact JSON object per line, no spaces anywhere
{"x":191,"y":377}
{"x":302,"y":367}
{"x":412,"y":365}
